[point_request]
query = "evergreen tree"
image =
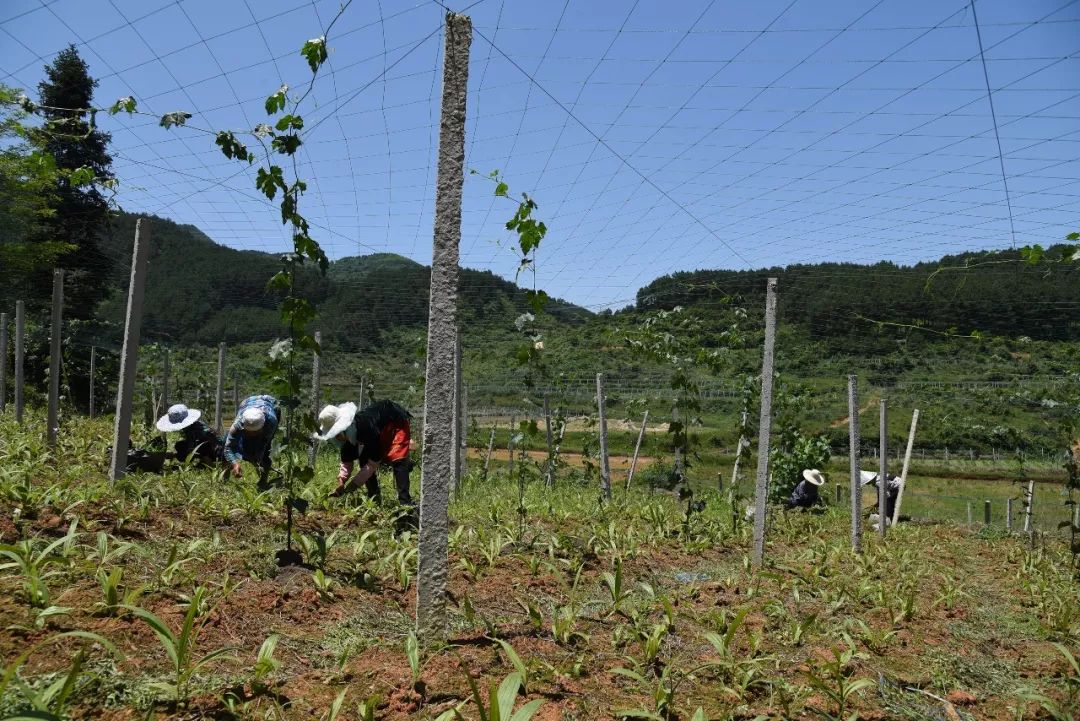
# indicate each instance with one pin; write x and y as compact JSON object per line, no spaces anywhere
{"x":81,"y":211}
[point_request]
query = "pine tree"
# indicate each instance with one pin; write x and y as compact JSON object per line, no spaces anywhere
{"x":82,"y":212}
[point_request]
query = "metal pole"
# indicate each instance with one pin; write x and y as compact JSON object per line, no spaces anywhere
{"x":761,"y":488}
{"x":316,"y":390}
{"x":3,"y":360}
{"x":129,"y":356}
{"x":436,"y":476}
{"x":883,"y":457}
{"x":907,"y":462}
{"x":605,"y":463}
{"x":853,"y":453}
{"x":54,"y":356}
{"x":549,"y":472}
{"x":637,"y":447}
{"x":219,"y":396}
{"x":93,"y":374}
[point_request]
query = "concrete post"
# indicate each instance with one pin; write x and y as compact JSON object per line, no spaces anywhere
{"x":463,"y":457}
{"x":970,"y":517}
{"x":907,"y":462}
{"x":853,"y":453}
{"x":839,"y":494}
{"x":883,"y":457}
{"x":316,"y":390}
{"x":433,"y":560}
{"x":455,"y":428}
{"x":549,"y":471}
{"x":761,"y":489}
{"x":3,"y":360}
{"x":236,"y":389}
{"x":20,"y":356}
{"x":55,"y":335}
{"x":679,"y":459}
{"x":986,"y":512}
{"x":1008,"y":514}
{"x":93,"y":376}
{"x":637,"y":448}
{"x":363,"y":382}
{"x":129,"y":356}
{"x":220,"y":395}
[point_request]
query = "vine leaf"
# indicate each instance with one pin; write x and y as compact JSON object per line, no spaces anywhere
{"x":314,"y":51}
{"x":276,"y":102}
{"x":233,"y":148}
{"x":125,"y":104}
{"x":178,"y":117}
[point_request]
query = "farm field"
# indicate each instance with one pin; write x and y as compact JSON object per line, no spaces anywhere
{"x":632,"y":608}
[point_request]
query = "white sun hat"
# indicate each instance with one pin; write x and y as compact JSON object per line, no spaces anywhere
{"x":813,"y":475}
{"x":178,"y":418}
{"x":252,"y":419}
{"x":335,"y":419}
{"x":867,"y":477}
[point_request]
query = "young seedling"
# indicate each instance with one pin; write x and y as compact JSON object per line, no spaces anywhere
{"x":499,"y":705}
{"x":832,"y":680}
{"x":180,"y":647}
{"x":613,"y":582}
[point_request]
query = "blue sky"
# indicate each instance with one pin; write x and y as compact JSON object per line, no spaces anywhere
{"x":656,"y":136}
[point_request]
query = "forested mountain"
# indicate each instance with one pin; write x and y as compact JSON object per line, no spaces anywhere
{"x":200,"y":292}
{"x":995,"y":293}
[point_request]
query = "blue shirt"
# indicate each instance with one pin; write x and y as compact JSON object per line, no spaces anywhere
{"x":254,"y":447}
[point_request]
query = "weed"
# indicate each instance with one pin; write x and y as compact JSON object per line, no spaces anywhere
{"x":832,"y":679}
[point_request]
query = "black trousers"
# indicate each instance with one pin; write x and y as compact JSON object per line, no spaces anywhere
{"x":401,"y":470}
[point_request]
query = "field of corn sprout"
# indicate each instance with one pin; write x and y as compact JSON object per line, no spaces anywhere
{"x":158,"y":597}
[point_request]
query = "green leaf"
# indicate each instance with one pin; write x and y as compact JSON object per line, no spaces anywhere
{"x":81,"y":176}
{"x":507,"y":693}
{"x":126,"y":104}
{"x":276,"y":102}
{"x":527,"y":711}
{"x":286,"y":144}
{"x":289,"y":122}
{"x":178,"y":117}
{"x":501,"y":190}
{"x":314,"y":51}
{"x":232,"y":148}
{"x":518,"y":664}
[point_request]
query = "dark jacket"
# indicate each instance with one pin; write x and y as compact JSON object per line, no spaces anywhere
{"x":804,"y":496}
{"x":199,"y":440}
{"x":369,"y":427}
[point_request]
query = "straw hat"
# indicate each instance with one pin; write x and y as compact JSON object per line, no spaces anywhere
{"x":335,"y":419}
{"x":867,"y":477}
{"x":813,"y":475}
{"x":252,"y":419}
{"x":178,"y":418}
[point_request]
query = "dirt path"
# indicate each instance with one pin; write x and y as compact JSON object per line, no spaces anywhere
{"x":844,"y":421}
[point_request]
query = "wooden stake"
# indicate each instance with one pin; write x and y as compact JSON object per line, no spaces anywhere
{"x":637,"y":447}
{"x":220,"y":395}
{"x":490,"y":448}
{"x":129,"y":356}
{"x":55,"y":335}
{"x":907,"y":462}
{"x":549,"y":471}
{"x":853,"y":453}
{"x":93,"y":374}
{"x":883,"y":457}
{"x":20,"y":356}
{"x":605,"y":462}
{"x":3,"y":360}
{"x":316,"y":390}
